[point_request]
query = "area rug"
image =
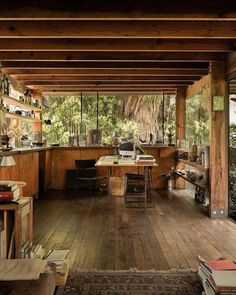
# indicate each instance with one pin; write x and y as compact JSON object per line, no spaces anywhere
{"x":133,"y":283}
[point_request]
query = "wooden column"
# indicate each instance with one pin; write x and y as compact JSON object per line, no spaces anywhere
{"x":180,"y":127}
{"x":219,"y":144}
{"x":180,"y":113}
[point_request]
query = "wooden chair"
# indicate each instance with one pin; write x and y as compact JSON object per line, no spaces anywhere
{"x":87,"y":175}
{"x":136,"y":187}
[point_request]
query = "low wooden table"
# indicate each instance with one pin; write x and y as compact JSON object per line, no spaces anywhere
{"x":62,"y":274}
{"x":18,"y":226}
{"x":61,"y":277}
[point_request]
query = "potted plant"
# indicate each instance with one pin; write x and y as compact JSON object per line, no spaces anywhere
{"x":170,"y":178}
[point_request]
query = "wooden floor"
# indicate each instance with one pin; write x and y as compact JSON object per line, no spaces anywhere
{"x":102,"y":236}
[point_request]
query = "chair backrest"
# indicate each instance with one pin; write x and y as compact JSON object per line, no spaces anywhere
{"x":85,"y":164}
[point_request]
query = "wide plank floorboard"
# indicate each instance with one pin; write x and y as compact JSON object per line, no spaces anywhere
{"x":100,"y":235}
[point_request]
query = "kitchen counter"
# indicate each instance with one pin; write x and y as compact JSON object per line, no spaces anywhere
{"x":55,"y":162}
{"x":22,"y":150}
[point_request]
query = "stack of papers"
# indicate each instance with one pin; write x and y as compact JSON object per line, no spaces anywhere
{"x":57,"y":256}
{"x":21,"y":269}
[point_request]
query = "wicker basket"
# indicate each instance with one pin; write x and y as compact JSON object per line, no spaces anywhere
{"x":117,"y":185}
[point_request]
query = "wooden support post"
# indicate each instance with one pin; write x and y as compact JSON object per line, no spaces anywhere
{"x":180,"y":113}
{"x":218,"y":144}
{"x":180,"y":127}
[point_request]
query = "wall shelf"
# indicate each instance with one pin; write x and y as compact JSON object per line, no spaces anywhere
{"x":19,"y":103}
{"x":196,"y":183}
{"x":194,"y":164}
{"x":16,"y":116}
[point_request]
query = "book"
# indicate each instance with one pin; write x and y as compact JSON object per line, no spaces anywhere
{"x":208,"y":289}
{"x":57,"y":256}
{"x":225,"y":264}
{"x":218,"y":277}
{"x":8,"y":187}
{"x":25,"y":250}
{"x":9,"y":195}
{"x":224,"y":279}
{"x":222,"y":264}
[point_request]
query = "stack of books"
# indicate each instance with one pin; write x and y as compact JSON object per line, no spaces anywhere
{"x":218,"y":276}
{"x":29,"y":250}
{"x":9,"y":191}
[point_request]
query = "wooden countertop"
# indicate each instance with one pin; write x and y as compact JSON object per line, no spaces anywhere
{"x":38,"y":149}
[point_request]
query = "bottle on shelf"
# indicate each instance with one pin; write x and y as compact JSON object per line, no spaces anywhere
{"x":194,"y":152}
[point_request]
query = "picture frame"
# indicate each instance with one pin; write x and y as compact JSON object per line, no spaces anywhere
{"x":218,"y":103}
{"x":94,"y":137}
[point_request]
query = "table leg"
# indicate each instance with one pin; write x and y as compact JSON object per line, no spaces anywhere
{"x":145,"y":186}
{"x":109,"y":189}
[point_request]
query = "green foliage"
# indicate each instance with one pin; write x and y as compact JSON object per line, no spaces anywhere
{"x":116,"y":113}
{"x":170,"y":118}
{"x":232,"y":135}
{"x":197,"y":121}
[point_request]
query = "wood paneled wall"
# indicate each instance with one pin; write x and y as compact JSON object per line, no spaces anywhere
{"x":57,"y":161}
{"x":48,"y":168}
{"x":26,"y":169}
{"x":64,"y":159}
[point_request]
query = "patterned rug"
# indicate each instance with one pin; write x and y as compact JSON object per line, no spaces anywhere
{"x":133,"y":283}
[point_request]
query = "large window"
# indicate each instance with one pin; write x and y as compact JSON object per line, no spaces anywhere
{"x":197,"y":120}
{"x":141,"y":114}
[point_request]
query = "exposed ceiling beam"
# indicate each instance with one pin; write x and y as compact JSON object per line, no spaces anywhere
{"x":123,"y":29}
{"x":108,"y":88}
{"x":134,"y":45}
{"x":118,"y":92}
{"x":38,"y":79}
{"x":110,"y":56}
{"x":132,"y":9}
{"x":106,"y":72}
{"x":108,"y":83}
{"x":104,"y":65}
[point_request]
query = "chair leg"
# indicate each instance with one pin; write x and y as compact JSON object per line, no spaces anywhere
{"x":90,"y":189}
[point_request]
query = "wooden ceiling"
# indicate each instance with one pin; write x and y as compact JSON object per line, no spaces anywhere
{"x":121,"y":46}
